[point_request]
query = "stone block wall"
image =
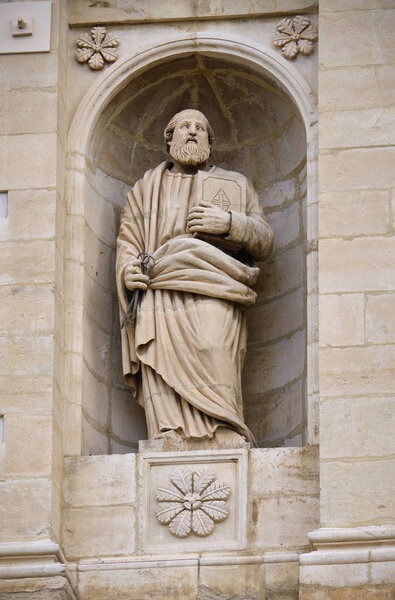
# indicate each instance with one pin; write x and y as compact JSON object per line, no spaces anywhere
{"x":354,"y":551}
{"x":103,"y":517}
{"x":357,"y":283}
{"x":32,"y":171}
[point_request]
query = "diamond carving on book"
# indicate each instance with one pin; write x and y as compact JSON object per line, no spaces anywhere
{"x":227,"y":193}
{"x":221,"y":200}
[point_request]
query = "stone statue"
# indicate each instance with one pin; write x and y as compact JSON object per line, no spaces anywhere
{"x":203,"y":227}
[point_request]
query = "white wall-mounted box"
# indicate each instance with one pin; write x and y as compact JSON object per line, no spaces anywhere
{"x":37,"y":15}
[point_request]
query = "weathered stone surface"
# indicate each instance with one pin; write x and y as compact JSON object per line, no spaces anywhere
{"x":361,"y":264}
{"x":357,"y":169}
{"x":28,"y":111}
{"x":357,"y":371}
{"x":27,"y":263}
{"x":98,"y":531}
{"x":127,"y":417}
{"x":27,"y":445}
{"x":285,"y":225}
{"x":352,"y":43}
{"x":342,"y":320}
{"x":139,"y":584}
{"x":334,"y":576}
{"x":96,"y":348}
{"x":281,"y":274}
{"x":119,"y":10}
{"x":29,"y":161}
{"x":93,"y":441}
{"x":367,"y":592}
{"x":15,"y":398}
{"x":95,"y":397}
{"x":38,"y":70}
{"x":284,"y":522}
{"x":26,"y":355}
{"x":345,"y":505}
{"x":354,"y":213}
{"x":274,"y":415}
{"x":384,"y":20}
{"x":266,"y":365}
{"x":25,"y":506}
{"x":281,"y":192}
{"x":386,"y":79}
{"x":23,"y":208}
{"x":275,"y":319}
{"x":383,"y":573}
{"x":99,"y":480}
{"x":294,"y":137}
{"x":380,"y":318}
{"x":98,"y":302}
{"x":349,"y":88}
{"x":277,"y":472}
{"x":354,"y":128}
{"x":238,"y":582}
{"x":27,"y":310}
{"x":365,"y":427}
{"x":339,"y":6}
{"x":282,"y":579}
{"x":99,"y":259}
{"x":38,"y":588}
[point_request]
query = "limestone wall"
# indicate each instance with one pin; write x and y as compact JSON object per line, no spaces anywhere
{"x":357,"y":284}
{"x":32,"y":168}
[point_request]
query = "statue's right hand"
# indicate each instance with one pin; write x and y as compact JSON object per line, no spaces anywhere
{"x":134,"y":278}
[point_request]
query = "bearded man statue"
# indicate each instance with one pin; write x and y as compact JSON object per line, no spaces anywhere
{"x":184,"y":353}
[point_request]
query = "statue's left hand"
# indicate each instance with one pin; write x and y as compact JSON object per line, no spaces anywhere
{"x":207,"y":218}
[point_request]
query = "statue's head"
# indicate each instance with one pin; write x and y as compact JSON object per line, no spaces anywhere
{"x":189,"y":137}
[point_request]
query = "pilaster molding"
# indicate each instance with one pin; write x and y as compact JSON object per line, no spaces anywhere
{"x":42,"y":558}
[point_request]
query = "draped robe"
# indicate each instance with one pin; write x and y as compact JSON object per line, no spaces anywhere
{"x":184,"y":354}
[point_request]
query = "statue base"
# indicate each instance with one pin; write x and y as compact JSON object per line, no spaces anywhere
{"x":170,"y":441}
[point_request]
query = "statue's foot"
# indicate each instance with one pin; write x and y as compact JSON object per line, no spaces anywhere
{"x":229,"y":438}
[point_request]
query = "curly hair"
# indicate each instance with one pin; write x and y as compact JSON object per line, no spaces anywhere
{"x":168,"y":133}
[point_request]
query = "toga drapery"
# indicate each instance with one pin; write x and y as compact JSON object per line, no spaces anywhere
{"x":183,"y":356}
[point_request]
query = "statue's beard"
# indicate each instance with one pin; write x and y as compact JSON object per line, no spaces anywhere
{"x":189,"y":153}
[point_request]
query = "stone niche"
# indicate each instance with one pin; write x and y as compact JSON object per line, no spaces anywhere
{"x":258,"y":132}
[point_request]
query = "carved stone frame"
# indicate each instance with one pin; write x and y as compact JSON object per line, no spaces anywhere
{"x":234,"y":528}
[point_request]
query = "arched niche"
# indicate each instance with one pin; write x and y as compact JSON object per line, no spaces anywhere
{"x":260,"y":131}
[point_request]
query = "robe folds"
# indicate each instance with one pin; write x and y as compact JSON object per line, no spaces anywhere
{"x":183,"y":356}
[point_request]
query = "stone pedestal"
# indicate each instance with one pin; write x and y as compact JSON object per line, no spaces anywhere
{"x":117,"y":547}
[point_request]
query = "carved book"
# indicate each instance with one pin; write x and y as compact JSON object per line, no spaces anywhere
{"x":226,"y":193}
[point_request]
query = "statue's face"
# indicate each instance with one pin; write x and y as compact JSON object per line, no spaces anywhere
{"x":190,"y":144}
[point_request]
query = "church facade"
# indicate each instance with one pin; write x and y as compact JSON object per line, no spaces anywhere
{"x":300,"y":95}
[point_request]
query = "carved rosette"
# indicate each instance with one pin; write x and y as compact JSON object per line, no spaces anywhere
{"x":194,"y":503}
{"x":97,"y":48}
{"x":296,"y":36}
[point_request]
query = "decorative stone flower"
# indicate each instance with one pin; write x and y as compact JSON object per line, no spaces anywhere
{"x":97,"y":48}
{"x":296,"y":35}
{"x":194,"y":503}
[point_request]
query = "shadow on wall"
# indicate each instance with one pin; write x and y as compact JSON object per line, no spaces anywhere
{"x":259,"y":133}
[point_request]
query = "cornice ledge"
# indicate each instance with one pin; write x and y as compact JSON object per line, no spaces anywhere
{"x":345,"y":536}
{"x":346,"y":545}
